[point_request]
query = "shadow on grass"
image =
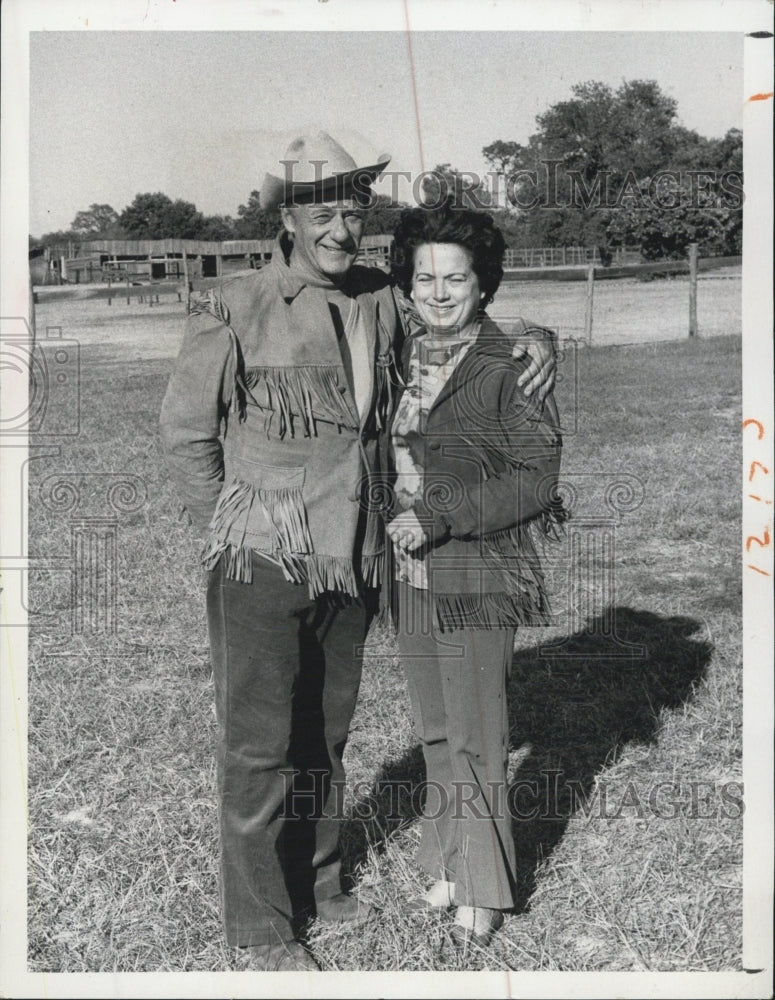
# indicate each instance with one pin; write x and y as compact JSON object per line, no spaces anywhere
{"x":573,"y":705}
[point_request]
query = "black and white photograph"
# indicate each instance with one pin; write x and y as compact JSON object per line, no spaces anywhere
{"x":387,"y":484}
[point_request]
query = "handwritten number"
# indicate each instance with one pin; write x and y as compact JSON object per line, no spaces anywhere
{"x":760,"y":435}
{"x":752,"y":471}
{"x":762,"y":544}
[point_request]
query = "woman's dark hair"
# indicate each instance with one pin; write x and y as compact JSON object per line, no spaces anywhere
{"x":476,"y":232}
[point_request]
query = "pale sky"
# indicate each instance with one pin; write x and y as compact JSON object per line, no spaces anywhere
{"x":202,"y":115}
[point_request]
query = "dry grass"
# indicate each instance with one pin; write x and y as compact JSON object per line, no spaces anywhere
{"x":630,"y":310}
{"x":123,"y":848}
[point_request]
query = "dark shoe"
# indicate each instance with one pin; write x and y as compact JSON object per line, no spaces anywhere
{"x":474,"y":926}
{"x":289,"y":956}
{"x":344,"y":909}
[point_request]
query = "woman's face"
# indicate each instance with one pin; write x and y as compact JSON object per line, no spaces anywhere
{"x":445,"y":288}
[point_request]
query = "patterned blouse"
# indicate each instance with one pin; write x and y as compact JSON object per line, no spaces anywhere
{"x":432,"y":361}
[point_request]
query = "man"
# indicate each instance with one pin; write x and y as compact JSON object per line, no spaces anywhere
{"x":271,"y":424}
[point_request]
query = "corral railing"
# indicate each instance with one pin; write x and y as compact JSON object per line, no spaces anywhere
{"x":104,"y":261}
{"x":85,"y":260}
{"x":563,"y":256}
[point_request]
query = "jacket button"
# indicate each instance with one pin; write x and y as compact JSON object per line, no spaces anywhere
{"x":434,"y":445}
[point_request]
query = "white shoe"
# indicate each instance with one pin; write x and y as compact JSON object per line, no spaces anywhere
{"x":438,"y":897}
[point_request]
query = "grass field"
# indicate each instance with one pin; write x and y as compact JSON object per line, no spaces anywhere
{"x":627,"y":769}
{"x":626,"y":311}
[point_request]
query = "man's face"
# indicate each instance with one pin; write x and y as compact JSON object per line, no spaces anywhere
{"x":326,"y":237}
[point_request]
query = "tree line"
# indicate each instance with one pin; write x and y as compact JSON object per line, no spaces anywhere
{"x":605,"y":168}
{"x":156,"y":216}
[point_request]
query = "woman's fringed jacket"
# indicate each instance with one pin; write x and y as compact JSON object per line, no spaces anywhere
{"x":491,"y":459}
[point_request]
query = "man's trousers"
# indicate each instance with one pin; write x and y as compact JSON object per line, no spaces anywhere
{"x":286,"y":670}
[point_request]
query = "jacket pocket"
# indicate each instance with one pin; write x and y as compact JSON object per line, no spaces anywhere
{"x":271,"y":500}
{"x":262,"y":509}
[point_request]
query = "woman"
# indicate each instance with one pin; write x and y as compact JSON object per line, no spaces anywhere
{"x":475,"y":464}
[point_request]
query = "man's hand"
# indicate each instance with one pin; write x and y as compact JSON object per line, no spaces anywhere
{"x":541,"y":372}
{"x":406,"y":531}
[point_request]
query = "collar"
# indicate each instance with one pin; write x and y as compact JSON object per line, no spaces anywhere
{"x":290,"y":282}
{"x":489,"y":339}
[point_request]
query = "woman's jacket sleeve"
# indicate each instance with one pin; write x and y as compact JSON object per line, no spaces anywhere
{"x":510,"y":474}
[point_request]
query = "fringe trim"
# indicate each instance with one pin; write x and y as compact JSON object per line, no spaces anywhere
{"x":239,"y":565}
{"x":491,"y":458}
{"x":383,"y":403}
{"x":386,"y":378}
{"x":372,"y":569}
{"x":386,"y":375}
{"x":410,"y":318}
{"x":322,"y":574}
{"x":549,"y":524}
{"x":511,"y":554}
{"x":292,"y":390}
{"x":298,"y":391}
{"x":287,"y":516}
{"x":489,"y":611}
{"x":233,"y":504}
{"x":211,"y":302}
{"x":331,"y":573}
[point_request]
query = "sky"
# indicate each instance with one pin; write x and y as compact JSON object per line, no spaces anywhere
{"x":203,"y":115}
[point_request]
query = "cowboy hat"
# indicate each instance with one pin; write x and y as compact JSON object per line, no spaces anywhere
{"x":317,"y":167}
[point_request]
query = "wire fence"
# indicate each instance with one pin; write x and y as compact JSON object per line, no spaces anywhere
{"x":564,"y":256}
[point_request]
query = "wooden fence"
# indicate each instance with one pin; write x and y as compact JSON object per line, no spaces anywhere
{"x":691,"y":266}
{"x":109,"y":260}
{"x":563,"y":256}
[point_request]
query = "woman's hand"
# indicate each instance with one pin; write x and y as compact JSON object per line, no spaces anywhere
{"x":406,"y":531}
{"x":541,"y":372}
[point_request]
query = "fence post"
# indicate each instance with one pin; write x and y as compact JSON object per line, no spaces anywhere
{"x":590,"y":298}
{"x":692,"y":289}
{"x":185,"y":278}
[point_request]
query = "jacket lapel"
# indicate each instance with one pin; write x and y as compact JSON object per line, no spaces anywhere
{"x":368,"y":320}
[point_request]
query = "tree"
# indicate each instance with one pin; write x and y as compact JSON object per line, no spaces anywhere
{"x":216,"y":227}
{"x":586,"y":150}
{"x":56,"y":237}
{"x":156,"y":216}
{"x":661,"y":218}
{"x":255,"y":222}
{"x":729,"y":151}
{"x":97,"y":221}
{"x":592,"y":152}
{"x":465,"y":190}
{"x":383,"y":216}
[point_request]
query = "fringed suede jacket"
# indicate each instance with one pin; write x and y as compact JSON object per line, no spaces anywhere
{"x":261,"y":432}
{"x":490,"y":458}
